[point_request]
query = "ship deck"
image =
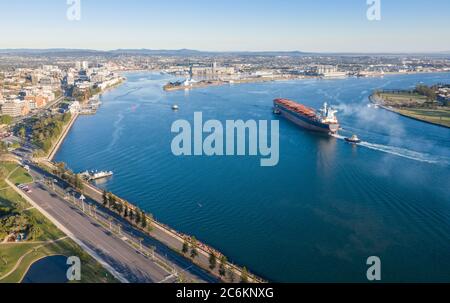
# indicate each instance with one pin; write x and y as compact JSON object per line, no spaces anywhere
{"x":296,"y":107}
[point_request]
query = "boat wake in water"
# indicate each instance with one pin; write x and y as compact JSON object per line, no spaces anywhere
{"x":402,"y":152}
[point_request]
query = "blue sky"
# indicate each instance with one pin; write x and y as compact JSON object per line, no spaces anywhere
{"x":314,"y":25}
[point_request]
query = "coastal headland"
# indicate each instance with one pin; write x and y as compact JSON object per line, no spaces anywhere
{"x":420,"y":104}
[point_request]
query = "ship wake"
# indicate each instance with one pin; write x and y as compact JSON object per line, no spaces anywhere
{"x":402,"y":152}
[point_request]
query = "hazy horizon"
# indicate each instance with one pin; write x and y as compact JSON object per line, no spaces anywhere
{"x":217,"y":51}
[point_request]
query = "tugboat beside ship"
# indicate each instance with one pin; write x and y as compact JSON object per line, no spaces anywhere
{"x":353,"y":139}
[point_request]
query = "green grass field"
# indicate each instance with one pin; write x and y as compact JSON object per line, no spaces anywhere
{"x":42,"y":246}
{"x":20,"y":176}
{"x":48,"y":230}
{"x":91,"y":271}
{"x":402,"y":99}
{"x":412,"y":105}
{"x":436,"y":116}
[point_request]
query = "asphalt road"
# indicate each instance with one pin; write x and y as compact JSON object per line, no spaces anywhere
{"x":112,"y":249}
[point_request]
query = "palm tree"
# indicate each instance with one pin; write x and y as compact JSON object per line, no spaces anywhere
{"x":143,"y":220}
{"x":223,"y":263}
{"x":138,"y":216}
{"x":111,"y":200}
{"x":105,"y":198}
{"x":61,"y":168}
{"x":185,"y":248}
{"x":131,"y":215}
{"x":212,"y":261}
{"x":194,"y":244}
{"x":244,"y":275}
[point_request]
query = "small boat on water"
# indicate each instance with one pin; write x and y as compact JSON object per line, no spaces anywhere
{"x":91,"y":175}
{"x":175,"y":107}
{"x":353,"y":139}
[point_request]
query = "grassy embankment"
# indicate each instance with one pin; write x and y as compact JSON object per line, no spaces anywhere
{"x":44,"y":239}
{"x":415,"y":106}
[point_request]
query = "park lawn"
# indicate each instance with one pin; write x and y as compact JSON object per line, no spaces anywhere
{"x":10,"y":198}
{"x":403,"y":98}
{"x":3,"y":184}
{"x":11,"y":253}
{"x":20,"y":176}
{"x":436,"y":116}
{"x":91,"y":270}
{"x":48,"y":230}
{"x":9,"y":166}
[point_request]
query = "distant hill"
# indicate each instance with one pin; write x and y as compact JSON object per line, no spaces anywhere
{"x":142,"y":52}
{"x":53,"y":52}
{"x":190,"y":53}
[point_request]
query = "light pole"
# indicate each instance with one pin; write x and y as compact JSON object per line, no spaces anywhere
{"x":110,"y":219}
{"x":119,"y":229}
{"x":140,"y":243}
{"x":152,"y":249}
{"x":82,"y":198}
{"x":95,"y":211}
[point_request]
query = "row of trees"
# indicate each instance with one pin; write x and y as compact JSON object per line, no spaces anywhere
{"x":190,"y":248}
{"x":429,"y":92}
{"x":133,"y":215}
{"x":67,"y":175}
{"x":46,"y":130}
{"x":109,"y":200}
{"x":83,"y":95}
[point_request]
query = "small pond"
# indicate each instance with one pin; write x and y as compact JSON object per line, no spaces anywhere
{"x":48,"y":270}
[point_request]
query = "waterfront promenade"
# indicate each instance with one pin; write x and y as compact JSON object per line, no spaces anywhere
{"x":170,"y":242}
{"x":111,"y":242}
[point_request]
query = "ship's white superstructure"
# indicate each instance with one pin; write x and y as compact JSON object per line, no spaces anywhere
{"x":327,"y":114}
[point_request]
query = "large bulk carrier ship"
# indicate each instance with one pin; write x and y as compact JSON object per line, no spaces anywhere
{"x":323,"y":120}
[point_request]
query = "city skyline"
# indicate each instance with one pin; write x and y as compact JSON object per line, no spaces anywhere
{"x":223,"y":27}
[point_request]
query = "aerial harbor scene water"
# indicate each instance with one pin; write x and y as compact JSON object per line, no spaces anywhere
{"x":224,"y":151}
{"x":318,"y":214}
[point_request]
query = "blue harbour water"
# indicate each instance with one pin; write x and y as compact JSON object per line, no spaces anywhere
{"x":316,"y":216}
